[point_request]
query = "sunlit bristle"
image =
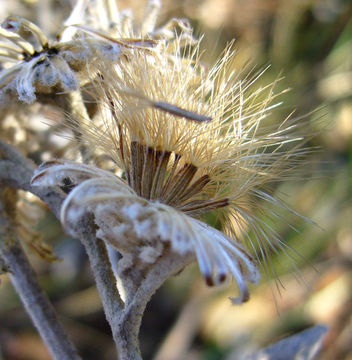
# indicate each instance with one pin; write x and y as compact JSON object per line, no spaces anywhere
{"x":210,"y":129}
{"x":195,"y":140}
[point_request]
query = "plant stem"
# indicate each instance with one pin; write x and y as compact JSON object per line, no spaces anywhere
{"x":37,"y":304}
{"x":27,"y":287}
{"x":16,"y":171}
{"x":130,"y":320}
{"x":102,"y":271}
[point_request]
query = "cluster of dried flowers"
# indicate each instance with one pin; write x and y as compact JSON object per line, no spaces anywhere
{"x":185,"y":139}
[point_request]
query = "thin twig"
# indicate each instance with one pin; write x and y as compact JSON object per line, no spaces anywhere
{"x":37,"y":304}
{"x":16,"y":172}
{"x":27,"y":287}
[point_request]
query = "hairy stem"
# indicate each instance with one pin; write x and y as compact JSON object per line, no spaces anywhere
{"x":102,"y":271}
{"x":37,"y":304}
{"x":130,"y":320}
{"x":27,"y":287}
{"x":16,"y":171}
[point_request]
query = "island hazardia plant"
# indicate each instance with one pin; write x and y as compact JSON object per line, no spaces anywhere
{"x":178,"y":165}
{"x":186,"y":141}
{"x":34,"y":67}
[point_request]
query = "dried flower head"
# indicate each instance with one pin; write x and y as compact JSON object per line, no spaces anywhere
{"x":48,"y":67}
{"x":177,"y":167}
{"x":40,"y":65}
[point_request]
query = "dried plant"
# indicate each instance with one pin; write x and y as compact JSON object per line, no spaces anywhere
{"x":177,"y":169}
{"x":40,"y":66}
{"x":185,"y":141}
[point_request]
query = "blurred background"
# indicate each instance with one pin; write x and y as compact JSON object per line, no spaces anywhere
{"x":310,"y":44}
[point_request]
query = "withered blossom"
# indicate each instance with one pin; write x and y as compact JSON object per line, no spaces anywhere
{"x":41,"y":66}
{"x":36,"y":65}
{"x":175,"y":169}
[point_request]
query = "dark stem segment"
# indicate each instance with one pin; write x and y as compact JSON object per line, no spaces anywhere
{"x":198,"y":207}
{"x":160,"y":168}
{"x":193,"y":189}
{"x":180,"y":181}
{"x":147,"y":172}
{"x":169,"y":180}
{"x":36,"y":302}
{"x":136,"y":166}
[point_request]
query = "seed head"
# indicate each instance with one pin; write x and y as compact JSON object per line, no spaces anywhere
{"x":189,"y":141}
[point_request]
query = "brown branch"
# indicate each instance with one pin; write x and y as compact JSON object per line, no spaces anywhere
{"x":16,"y":172}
